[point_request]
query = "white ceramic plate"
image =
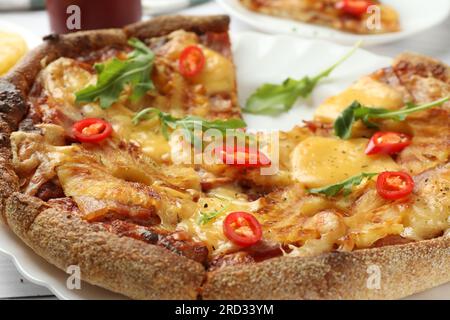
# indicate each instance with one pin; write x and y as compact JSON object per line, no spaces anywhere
{"x":259,"y":58}
{"x":37,"y":270}
{"x":30,"y":38}
{"x":415,"y":15}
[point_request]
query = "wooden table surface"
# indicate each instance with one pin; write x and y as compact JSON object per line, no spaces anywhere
{"x":434,"y":42}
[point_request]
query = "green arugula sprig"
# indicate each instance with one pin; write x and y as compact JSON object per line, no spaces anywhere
{"x":274,"y":99}
{"x":356,"y":111}
{"x":345,"y":186}
{"x":190,"y":123}
{"x":114,"y":75}
{"x":207,"y":217}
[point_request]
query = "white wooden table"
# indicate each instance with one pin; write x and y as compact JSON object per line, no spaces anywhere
{"x":434,"y":42}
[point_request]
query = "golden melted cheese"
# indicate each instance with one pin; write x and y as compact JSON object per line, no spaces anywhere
{"x":367,"y":91}
{"x":218,"y":75}
{"x":321,"y":161}
{"x":60,"y":80}
{"x":90,"y":180}
{"x":38,"y":154}
{"x":368,"y":226}
{"x":429,"y":214}
{"x":220,"y":202}
{"x":145,"y":134}
{"x":329,"y":227}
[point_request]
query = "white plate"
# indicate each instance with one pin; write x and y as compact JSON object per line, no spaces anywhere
{"x":30,"y":38}
{"x":415,"y":15}
{"x":37,"y":270}
{"x":259,"y":58}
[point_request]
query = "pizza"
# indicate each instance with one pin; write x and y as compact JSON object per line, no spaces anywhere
{"x":354,"y":16}
{"x":89,"y":177}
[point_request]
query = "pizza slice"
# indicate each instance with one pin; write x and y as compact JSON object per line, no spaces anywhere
{"x":355,"y":16}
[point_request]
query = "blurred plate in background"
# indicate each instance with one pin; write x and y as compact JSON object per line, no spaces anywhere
{"x":15,"y":42}
{"x":415,"y":16}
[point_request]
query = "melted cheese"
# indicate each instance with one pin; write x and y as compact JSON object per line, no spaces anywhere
{"x":222,"y":201}
{"x":87,"y":179}
{"x":63,"y":78}
{"x":425,"y":215}
{"x":368,"y":226}
{"x":320,"y":161}
{"x":284,"y":217}
{"x":429,"y":214}
{"x":145,"y":135}
{"x":218,"y":74}
{"x":367,"y":91}
{"x":329,"y":227}
{"x":38,"y":154}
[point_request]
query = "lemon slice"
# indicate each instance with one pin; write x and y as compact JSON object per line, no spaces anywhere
{"x":12,"y":48}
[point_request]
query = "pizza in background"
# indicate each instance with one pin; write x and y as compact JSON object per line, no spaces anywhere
{"x":353,"y":16}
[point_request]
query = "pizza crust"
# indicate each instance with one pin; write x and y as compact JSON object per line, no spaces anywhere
{"x":404,"y":270}
{"x":163,"y":25}
{"x":143,"y":271}
{"x":122,"y":265}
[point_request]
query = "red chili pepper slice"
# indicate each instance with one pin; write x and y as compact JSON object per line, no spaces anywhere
{"x":354,"y":7}
{"x":394,"y":185}
{"x":242,"y":229}
{"x":244,"y":157}
{"x":92,"y":130}
{"x":387,"y":143}
{"x":192,"y":61}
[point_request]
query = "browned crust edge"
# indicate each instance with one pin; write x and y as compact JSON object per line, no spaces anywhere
{"x":404,"y":270}
{"x":144,"y":271}
{"x":123,"y":265}
{"x":165,"y":24}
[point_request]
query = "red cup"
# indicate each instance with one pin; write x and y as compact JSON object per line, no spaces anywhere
{"x":76,"y":15}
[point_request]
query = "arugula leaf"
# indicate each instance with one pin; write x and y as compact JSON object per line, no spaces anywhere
{"x":207,"y":217}
{"x":189,"y":123}
{"x":356,"y":111}
{"x":344,"y":186}
{"x":274,"y":99}
{"x":114,"y":75}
